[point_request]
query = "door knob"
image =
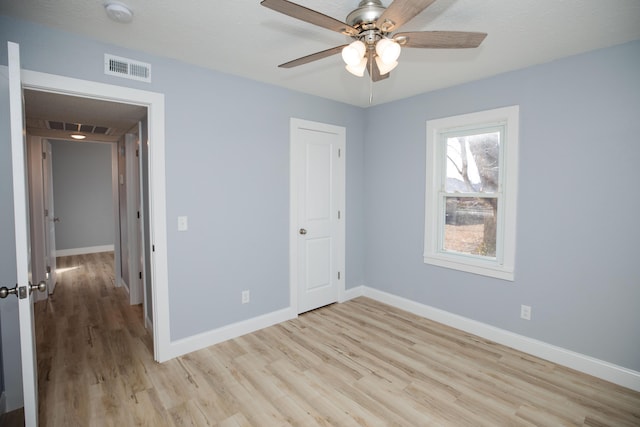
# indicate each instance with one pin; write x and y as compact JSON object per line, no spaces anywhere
{"x":56,"y":219}
{"x":42,"y":286}
{"x":5,"y":292}
{"x":21,"y":292}
{"x":302,"y":231}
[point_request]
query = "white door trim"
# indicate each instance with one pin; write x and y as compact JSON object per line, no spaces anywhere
{"x":157,"y":183}
{"x":293,"y":209}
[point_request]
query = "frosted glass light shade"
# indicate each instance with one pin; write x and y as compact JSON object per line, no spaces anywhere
{"x":388,"y":50}
{"x":357,"y":70}
{"x":383,"y":67}
{"x":118,"y":12}
{"x":353,"y":53}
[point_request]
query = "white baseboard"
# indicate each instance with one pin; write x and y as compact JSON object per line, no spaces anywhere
{"x":123,"y":283}
{"x":580,"y":362}
{"x":83,"y":251}
{"x":352,"y":293}
{"x":206,"y":339}
{"x":148,"y":324}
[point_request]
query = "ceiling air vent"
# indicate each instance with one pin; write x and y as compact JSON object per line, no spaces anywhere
{"x":127,"y":68}
{"x":78,"y":127}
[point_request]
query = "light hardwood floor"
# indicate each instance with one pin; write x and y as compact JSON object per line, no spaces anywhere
{"x":356,"y":363}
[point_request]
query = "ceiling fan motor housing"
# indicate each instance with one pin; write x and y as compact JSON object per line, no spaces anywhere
{"x":365,"y":16}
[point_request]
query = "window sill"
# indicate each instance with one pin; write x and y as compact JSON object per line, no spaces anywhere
{"x":471,"y":266}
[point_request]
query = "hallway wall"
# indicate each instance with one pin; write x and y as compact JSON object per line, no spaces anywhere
{"x":82,"y":194}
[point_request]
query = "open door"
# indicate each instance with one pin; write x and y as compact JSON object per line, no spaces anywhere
{"x":23,"y":268}
{"x":50,"y":218}
{"x":41,"y":213}
{"x":134,"y":217}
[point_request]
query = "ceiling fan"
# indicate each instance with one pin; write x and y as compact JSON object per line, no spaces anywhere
{"x":371,"y":26}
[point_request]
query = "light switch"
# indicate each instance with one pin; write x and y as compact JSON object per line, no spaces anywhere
{"x":183,"y":225}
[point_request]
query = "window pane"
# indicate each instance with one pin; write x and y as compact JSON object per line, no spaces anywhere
{"x":470,"y":225}
{"x":473,"y":163}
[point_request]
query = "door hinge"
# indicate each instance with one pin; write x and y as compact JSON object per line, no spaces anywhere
{"x":140,"y":275}
{"x":338,"y":275}
{"x":138,"y":214}
{"x":338,"y":214}
{"x":44,"y":155}
{"x":46,"y":212}
{"x":137,"y":153}
{"x":153,"y":248}
{"x":339,"y":153}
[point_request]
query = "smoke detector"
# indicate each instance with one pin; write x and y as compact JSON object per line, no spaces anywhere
{"x":118,"y":12}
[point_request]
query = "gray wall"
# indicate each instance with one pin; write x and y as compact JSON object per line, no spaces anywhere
{"x":227,"y":169}
{"x":578,"y":204}
{"x":82,"y":194}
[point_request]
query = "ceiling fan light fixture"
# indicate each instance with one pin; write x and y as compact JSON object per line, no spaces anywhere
{"x":370,"y":25}
{"x":358,"y":70}
{"x":388,"y":50}
{"x":383,"y":67}
{"x":353,"y":53}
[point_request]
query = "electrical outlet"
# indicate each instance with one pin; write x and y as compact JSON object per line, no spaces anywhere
{"x":246,"y":297}
{"x":525,"y":312}
{"x":183,"y":223}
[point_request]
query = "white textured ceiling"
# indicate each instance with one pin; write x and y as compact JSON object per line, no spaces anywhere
{"x":243,"y":38}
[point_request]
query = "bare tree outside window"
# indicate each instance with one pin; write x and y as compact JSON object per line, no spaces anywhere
{"x":471,"y":193}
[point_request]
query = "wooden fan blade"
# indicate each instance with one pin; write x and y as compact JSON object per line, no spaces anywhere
{"x":400,"y":12}
{"x":308,"y":15}
{"x":312,"y":57}
{"x":374,"y":71}
{"x":440,"y":39}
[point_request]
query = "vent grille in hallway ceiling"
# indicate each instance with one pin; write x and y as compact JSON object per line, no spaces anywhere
{"x":78,"y":127}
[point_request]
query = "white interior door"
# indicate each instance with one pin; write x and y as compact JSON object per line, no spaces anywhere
{"x":25,"y":301}
{"x":141,"y":223}
{"x":50,"y":216}
{"x":37,"y":212}
{"x":131,"y":213}
{"x":133,"y":217}
{"x":317,"y":212}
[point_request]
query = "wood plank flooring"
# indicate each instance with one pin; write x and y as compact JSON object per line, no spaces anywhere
{"x":359,"y":363}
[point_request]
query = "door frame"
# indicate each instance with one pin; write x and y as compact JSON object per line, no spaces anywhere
{"x":294,"y":161}
{"x":154,"y":102}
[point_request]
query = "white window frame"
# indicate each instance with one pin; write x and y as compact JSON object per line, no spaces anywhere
{"x":503,"y":265}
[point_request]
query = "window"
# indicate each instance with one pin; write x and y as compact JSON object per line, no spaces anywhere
{"x":470,"y":205}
